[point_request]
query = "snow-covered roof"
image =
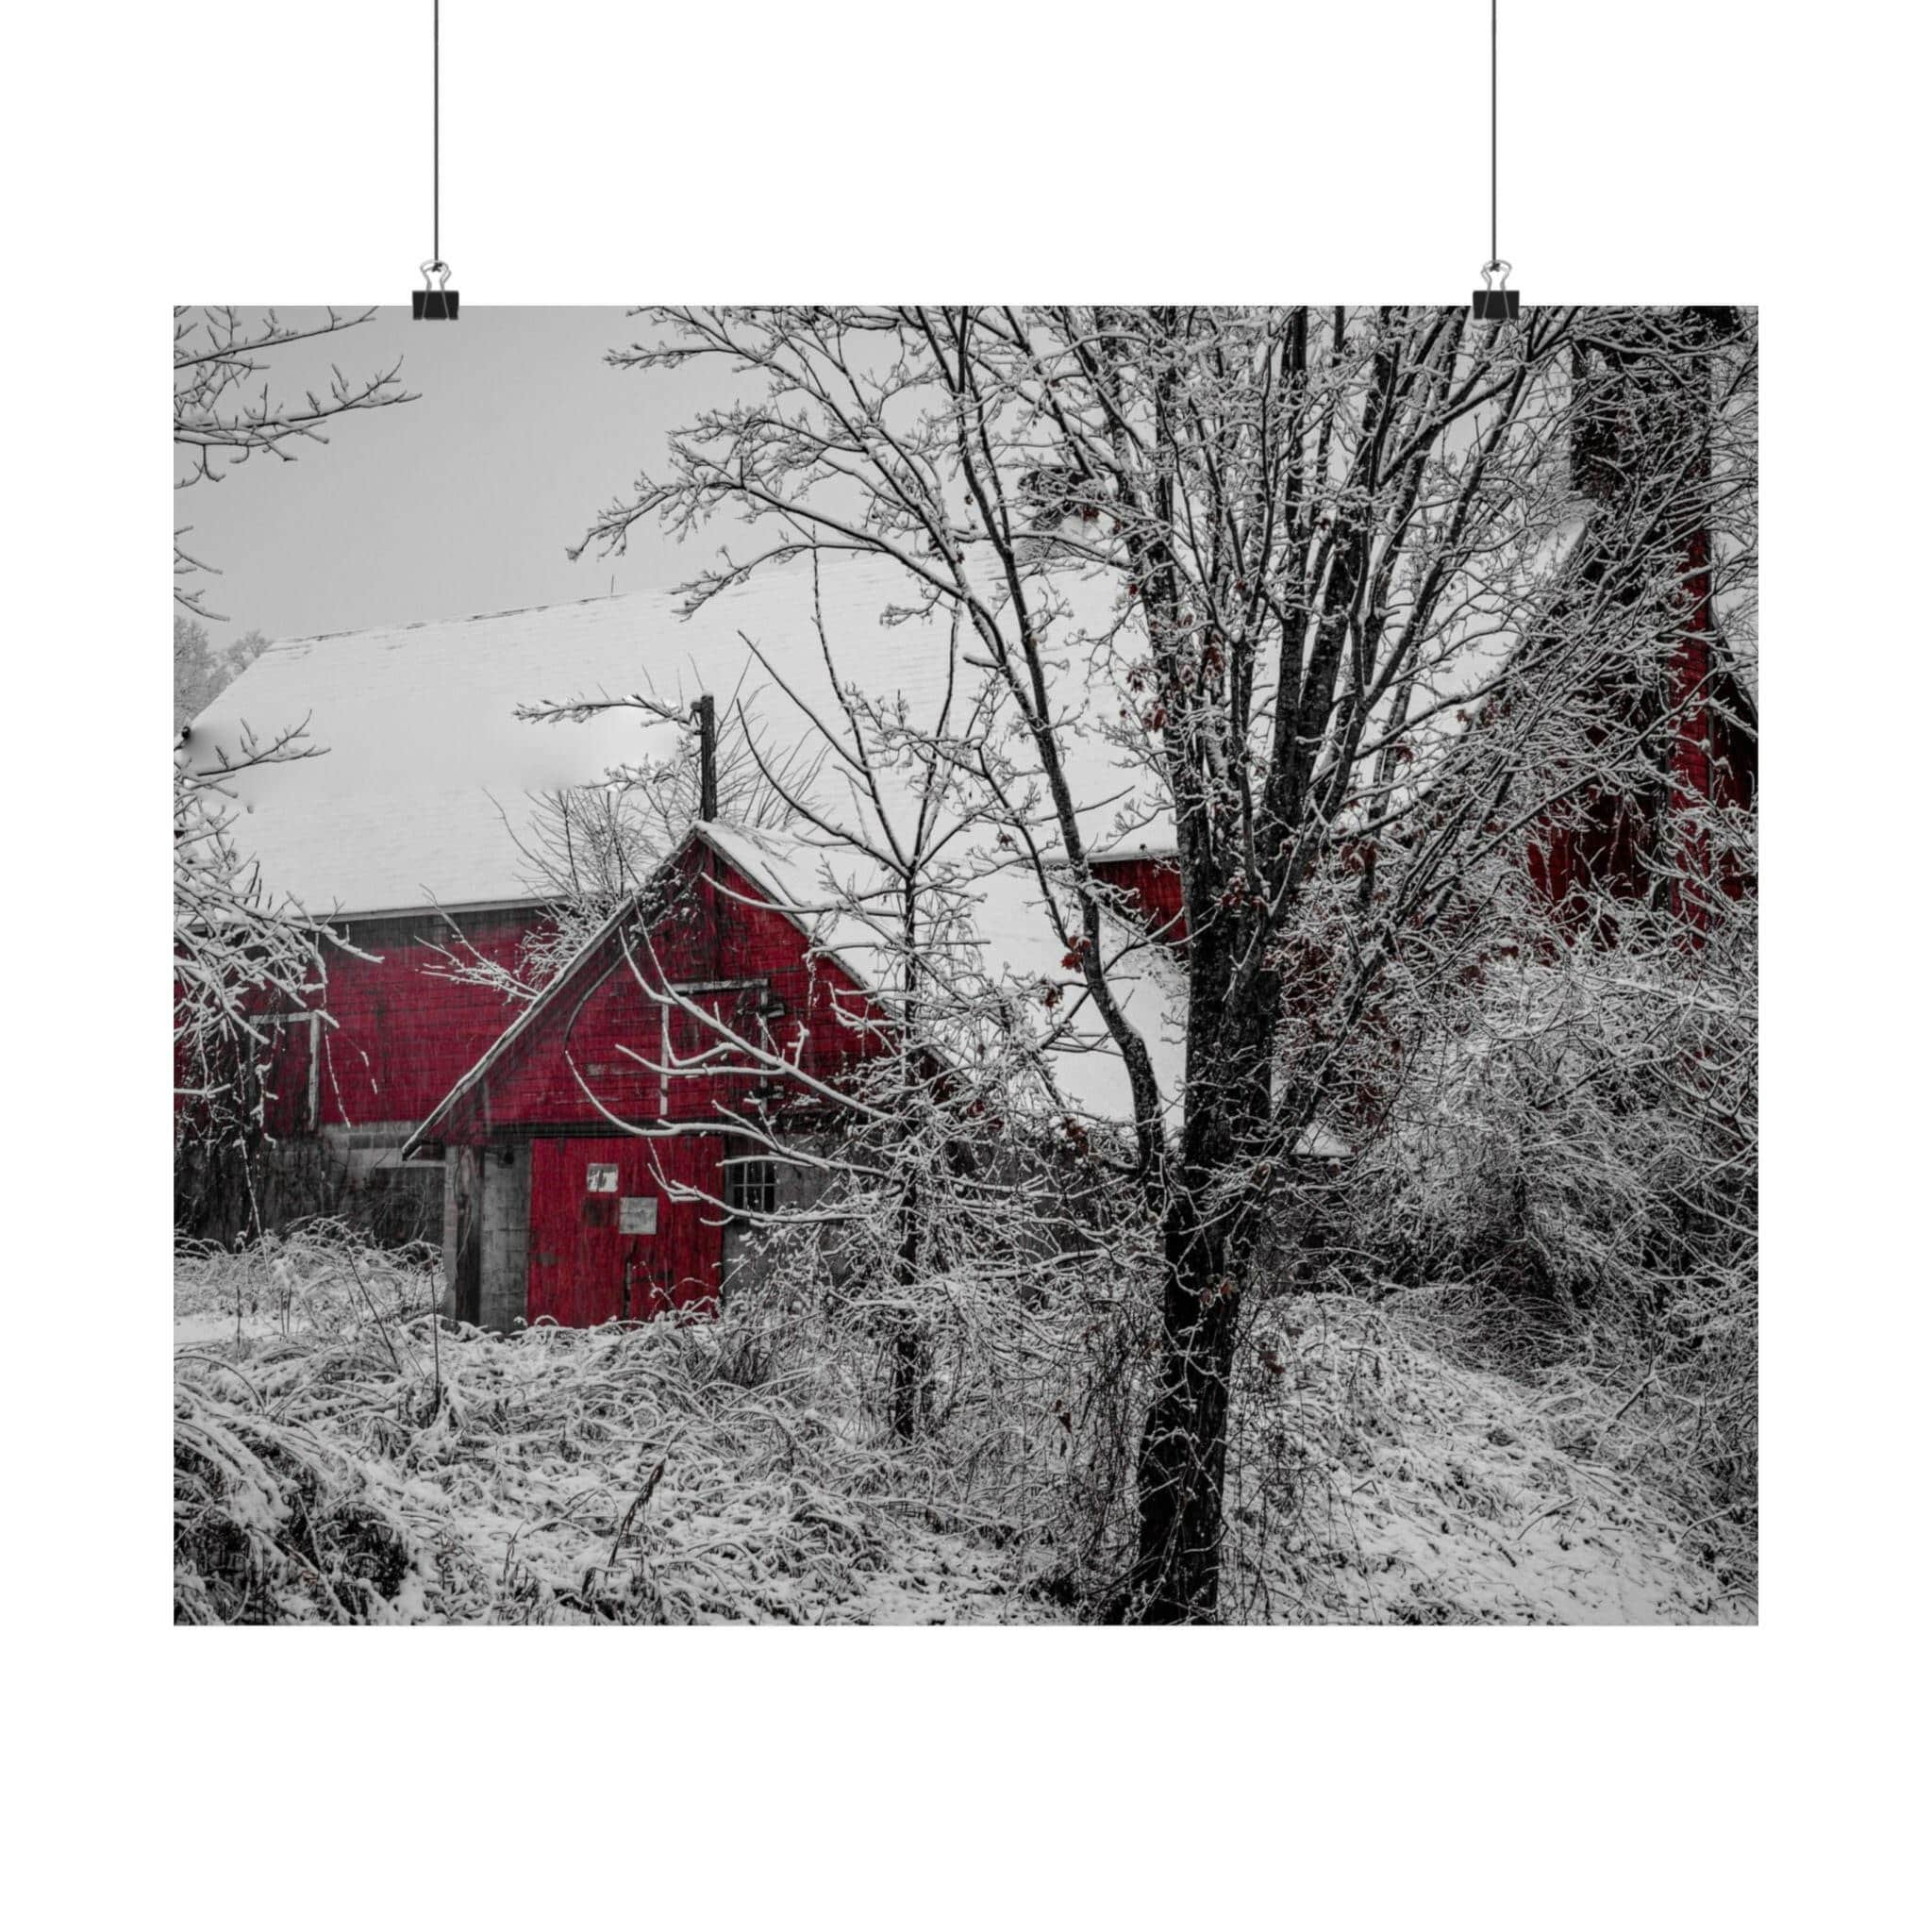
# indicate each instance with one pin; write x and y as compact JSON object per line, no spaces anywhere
{"x":1018,"y":950}
{"x":430,"y":779}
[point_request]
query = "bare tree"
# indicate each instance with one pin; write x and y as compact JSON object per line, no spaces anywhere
{"x":246,"y":963}
{"x":201,"y":671}
{"x":589,"y":849}
{"x":921,"y":1191}
{"x":221,"y":419}
{"x":243,"y":955}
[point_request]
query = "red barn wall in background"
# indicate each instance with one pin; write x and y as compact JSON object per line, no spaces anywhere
{"x":404,"y":1034}
{"x":1651,"y":374}
{"x":1152,"y":882}
{"x":1616,"y":845}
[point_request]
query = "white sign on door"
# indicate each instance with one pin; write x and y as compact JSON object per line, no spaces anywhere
{"x":637,"y":1214}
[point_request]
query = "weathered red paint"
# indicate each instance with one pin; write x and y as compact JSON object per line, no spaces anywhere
{"x":1615,"y":843}
{"x":585,"y":1268}
{"x":1153,"y":887}
{"x":400,"y":1033}
{"x":1617,"y":846}
{"x":592,"y":1058}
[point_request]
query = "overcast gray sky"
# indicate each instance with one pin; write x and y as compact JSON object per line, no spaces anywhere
{"x":463,"y":501}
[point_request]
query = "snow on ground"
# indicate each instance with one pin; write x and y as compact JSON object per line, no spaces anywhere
{"x":341,"y":1459}
{"x":1390,"y":1484}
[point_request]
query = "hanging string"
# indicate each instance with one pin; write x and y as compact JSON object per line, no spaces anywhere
{"x":1495,"y":301}
{"x":435,"y":301}
{"x":436,"y":124}
{"x":1495,"y":253}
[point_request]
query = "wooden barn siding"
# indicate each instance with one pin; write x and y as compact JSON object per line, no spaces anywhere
{"x":705,"y":938}
{"x":584,"y":1268}
{"x":1619,"y":840}
{"x":403,"y":1036}
{"x":1154,"y":886}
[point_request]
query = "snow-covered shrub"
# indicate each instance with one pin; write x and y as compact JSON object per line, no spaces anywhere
{"x":1027,"y":1348}
{"x":343,"y":1456}
{"x":1569,"y":1181}
{"x":348,"y":1458}
{"x":1375,"y":1478}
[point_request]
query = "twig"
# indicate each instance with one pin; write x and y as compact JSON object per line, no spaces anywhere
{"x":1649,"y":1377}
{"x":642,"y":1500}
{"x":1563,"y":1504}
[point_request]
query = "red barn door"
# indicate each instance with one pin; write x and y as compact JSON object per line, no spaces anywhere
{"x":606,"y":1241}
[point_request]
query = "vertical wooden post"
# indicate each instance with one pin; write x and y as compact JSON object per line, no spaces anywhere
{"x":708,"y":758}
{"x":464,"y":1240}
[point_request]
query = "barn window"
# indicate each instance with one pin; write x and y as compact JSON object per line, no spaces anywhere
{"x":751,"y":1187}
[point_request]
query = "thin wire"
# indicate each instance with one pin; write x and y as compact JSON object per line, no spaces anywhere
{"x":436,"y":127}
{"x":1495,"y":254}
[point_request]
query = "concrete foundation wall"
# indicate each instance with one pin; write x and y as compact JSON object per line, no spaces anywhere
{"x":505,"y":1235}
{"x":349,"y":1176}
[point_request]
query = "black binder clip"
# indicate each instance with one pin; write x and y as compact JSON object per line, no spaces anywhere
{"x":1487,"y":304}
{"x":440,"y":303}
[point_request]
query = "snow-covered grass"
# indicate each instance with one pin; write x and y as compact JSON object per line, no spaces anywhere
{"x":1380,"y":1480}
{"x":345,"y":1459}
{"x":343,"y":1456}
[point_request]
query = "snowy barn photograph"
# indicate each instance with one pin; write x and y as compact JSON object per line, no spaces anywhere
{"x":942,"y":965}
{"x":870,"y":998}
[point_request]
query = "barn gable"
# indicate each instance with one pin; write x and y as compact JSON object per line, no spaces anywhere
{"x":591,"y":1150}
{"x":611,"y":1042}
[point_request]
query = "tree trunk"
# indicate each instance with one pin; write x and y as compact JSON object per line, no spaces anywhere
{"x":1183,"y":1459}
{"x":909,"y":1366}
{"x":909,"y":1378}
{"x":1209,"y":1238}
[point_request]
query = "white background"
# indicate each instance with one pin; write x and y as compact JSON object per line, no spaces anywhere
{"x":1708,"y":150}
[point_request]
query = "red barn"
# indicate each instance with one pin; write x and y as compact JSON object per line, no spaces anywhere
{"x":1648,"y":378}
{"x":597,"y":1160}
